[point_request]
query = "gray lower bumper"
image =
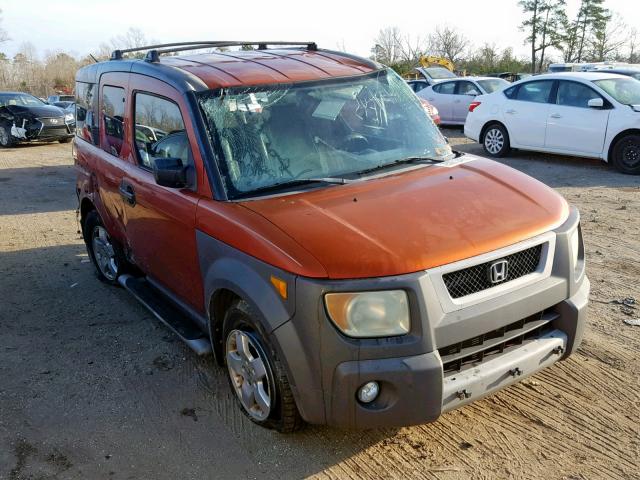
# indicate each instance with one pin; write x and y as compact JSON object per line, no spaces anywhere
{"x":511,"y":367}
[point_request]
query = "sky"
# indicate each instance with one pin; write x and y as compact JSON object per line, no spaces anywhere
{"x":80,"y":26}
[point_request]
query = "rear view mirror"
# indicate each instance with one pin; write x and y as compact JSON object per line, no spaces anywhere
{"x":595,"y":103}
{"x":170,"y":172}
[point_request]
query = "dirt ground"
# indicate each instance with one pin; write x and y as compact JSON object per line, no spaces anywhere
{"x":93,"y":387}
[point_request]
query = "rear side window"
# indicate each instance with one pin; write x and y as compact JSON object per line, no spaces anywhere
{"x":159,"y":131}
{"x":467,"y":88}
{"x":86,"y":119}
{"x":447,"y":88}
{"x":574,"y":94}
{"x":510,"y":92}
{"x":537,"y":92}
{"x":113,"y":115}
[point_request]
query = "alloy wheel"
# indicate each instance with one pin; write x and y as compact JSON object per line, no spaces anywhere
{"x":247,"y":367}
{"x":494,"y":141}
{"x":104,"y":253}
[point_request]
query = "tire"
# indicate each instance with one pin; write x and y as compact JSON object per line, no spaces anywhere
{"x":65,"y":140}
{"x":260,"y":371}
{"x":495,"y":141}
{"x":106,"y":256}
{"x":626,"y":154}
{"x":6,"y":140}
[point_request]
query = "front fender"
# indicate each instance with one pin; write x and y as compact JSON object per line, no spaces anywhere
{"x":225,"y":267}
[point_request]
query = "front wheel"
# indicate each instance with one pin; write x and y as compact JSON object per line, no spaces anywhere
{"x":255,"y":374}
{"x":6,"y":141}
{"x":496,"y":141}
{"x":626,"y":154}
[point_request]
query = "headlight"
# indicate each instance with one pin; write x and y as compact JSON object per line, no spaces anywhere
{"x":370,"y":314}
{"x":68,"y":117}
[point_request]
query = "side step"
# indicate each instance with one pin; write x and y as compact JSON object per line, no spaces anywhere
{"x":167,"y":312}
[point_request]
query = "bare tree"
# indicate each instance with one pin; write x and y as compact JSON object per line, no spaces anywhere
{"x":447,"y":42}
{"x":633,"y":43}
{"x":608,"y":39}
{"x":4,"y":36}
{"x":388,"y":46}
{"x":132,"y":38}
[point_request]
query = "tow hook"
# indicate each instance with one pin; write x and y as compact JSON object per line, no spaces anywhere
{"x":559,"y":350}
{"x":462,"y":394}
{"x":515,"y":372}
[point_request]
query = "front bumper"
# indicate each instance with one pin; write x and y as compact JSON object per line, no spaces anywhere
{"x":43,"y":129}
{"x":416,"y":385}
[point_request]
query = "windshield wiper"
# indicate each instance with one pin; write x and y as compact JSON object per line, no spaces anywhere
{"x":296,"y":183}
{"x":400,"y":161}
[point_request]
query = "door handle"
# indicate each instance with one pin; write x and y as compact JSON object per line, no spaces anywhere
{"x":127,"y":193}
{"x":555,"y":115}
{"x":456,"y":101}
{"x":510,"y":112}
{"x":430,"y":99}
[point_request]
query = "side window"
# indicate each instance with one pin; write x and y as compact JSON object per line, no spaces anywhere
{"x":574,"y":94}
{"x":86,"y":125}
{"x":467,"y":88}
{"x":417,"y":86}
{"x":537,"y":92}
{"x":510,"y":92}
{"x":113,"y":115}
{"x":447,"y":88}
{"x":159,"y":131}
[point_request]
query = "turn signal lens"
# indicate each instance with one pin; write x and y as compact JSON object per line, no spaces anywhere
{"x":281,"y":286}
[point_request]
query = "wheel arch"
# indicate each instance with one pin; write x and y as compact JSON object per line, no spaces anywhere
{"x":486,"y":126}
{"x":612,"y":144}
{"x":86,"y":206}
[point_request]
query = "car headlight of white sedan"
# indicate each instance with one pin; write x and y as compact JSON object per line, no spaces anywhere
{"x":370,"y":314}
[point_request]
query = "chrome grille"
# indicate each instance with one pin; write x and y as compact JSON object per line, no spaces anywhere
{"x":470,"y":352}
{"x":52,"y":121}
{"x":475,"y":279}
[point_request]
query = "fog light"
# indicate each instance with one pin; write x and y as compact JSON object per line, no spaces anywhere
{"x":368,"y":392}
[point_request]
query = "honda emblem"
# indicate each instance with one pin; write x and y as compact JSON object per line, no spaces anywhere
{"x":498,"y":271}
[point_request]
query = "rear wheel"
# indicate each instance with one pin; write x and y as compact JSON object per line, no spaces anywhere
{"x":255,"y":374}
{"x":496,"y":140}
{"x":626,"y":154}
{"x":105,"y":255}
{"x":6,"y":140}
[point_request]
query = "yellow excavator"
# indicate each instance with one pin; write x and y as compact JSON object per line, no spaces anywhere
{"x":430,"y":61}
{"x":431,"y":70}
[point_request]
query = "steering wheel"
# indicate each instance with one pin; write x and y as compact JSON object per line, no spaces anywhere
{"x":354,"y":142}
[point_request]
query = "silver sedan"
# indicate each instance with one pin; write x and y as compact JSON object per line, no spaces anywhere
{"x":453,"y":97}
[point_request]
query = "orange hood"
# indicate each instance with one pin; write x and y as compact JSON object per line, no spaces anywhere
{"x":416,"y":219}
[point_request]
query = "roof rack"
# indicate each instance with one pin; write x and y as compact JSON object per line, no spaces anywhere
{"x":154,"y":51}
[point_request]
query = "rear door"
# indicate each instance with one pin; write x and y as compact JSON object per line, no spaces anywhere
{"x":574,"y":127}
{"x":525,"y":114}
{"x":441,"y":95}
{"x":110,"y":158}
{"x":160,"y":221}
{"x":465,"y":94}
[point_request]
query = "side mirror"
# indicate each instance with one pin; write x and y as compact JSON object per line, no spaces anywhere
{"x":595,"y":103}
{"x":170,"y":172}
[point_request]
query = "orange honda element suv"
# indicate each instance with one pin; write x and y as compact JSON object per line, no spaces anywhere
{"x":295,"y":212}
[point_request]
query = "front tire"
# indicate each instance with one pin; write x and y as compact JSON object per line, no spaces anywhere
{"x":6,"y":140}
{"x":626,"y":154}
{"x":255,"y":374}
{"x":495,"y":141}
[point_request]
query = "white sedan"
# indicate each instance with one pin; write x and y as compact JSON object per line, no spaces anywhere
{"x":453,"y":97}
{"x":586,"y":114}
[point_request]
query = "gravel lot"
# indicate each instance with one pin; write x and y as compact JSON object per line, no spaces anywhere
{"x":93,"y":387}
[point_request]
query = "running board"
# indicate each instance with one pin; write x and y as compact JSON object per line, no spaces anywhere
{"x":167,"y":312}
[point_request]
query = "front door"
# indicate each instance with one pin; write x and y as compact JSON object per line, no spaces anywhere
{"x":160,"y":221}
{"x":574,"y":127}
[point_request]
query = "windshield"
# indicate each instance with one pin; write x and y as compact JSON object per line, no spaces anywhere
{"x":278,"y":134}
{"x":494,"y":84}
{"x":624,"y":90}
{"x":439,"y":73}
{"x":20,"y":99}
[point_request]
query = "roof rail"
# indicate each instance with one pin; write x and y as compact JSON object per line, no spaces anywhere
{"x":154,"y":51}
